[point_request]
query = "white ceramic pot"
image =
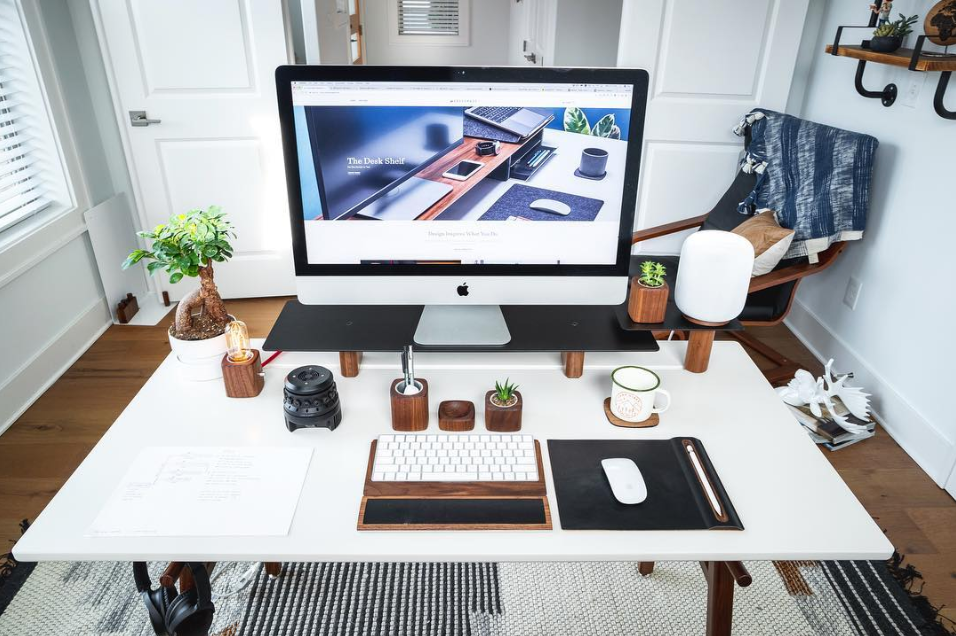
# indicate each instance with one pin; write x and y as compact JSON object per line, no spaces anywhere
{"x":714,"y":276}
{"x":200,"y":360}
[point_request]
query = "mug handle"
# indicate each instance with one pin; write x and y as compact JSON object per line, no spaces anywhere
{"x":655,"y":409}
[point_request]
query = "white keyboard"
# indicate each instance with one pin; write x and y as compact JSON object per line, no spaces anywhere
{"x":455,"y":457}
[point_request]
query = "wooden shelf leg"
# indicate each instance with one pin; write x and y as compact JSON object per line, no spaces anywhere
{"x":573,"y":363}
{"x":645,"y":567}
{"x":349,"y":362}
{"x":698,"y":351}
{"x":720,"y":598}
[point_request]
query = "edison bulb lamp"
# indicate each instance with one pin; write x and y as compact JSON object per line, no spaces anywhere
{"x":237,"y":341}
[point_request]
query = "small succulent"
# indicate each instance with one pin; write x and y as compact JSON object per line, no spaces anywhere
{"x":652,"y":274}
{"x":898,"y":28}
{"x":505,"y":391}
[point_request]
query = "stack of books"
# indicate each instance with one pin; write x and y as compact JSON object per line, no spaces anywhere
{"x":826,"y":431}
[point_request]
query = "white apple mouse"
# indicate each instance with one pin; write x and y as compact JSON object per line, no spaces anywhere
{"x":627,"y":482}
{"x":550,"y":205}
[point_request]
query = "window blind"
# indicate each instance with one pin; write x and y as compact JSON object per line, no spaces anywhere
{"x":22,"y":191}
{"x":428,"y":17}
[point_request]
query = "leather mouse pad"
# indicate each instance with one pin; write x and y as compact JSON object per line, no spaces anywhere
{"x":676,"y":499}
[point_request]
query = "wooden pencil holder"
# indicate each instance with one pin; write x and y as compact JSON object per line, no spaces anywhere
{"x":243,"y":379}
{"x":409,"y":412}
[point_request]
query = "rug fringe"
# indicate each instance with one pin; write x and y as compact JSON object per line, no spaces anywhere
{"x":907,"y":576}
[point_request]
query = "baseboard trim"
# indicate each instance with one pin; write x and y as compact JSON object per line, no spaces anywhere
{"x":36,"y":375}
{"x":922,"y":441}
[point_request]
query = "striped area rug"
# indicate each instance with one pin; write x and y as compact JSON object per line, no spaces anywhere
{"x":484,"y":599}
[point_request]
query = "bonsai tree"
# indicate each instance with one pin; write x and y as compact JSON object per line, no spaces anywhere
{"x":187,"y":246}
{"x":652,"y":274}
{"x":505,"y":393}
{"x":896,"y":29}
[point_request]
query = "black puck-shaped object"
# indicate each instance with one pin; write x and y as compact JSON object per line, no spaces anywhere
{"x":311,"y":399}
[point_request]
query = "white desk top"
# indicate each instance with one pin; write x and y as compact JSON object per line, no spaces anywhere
{"x":791,"y":501}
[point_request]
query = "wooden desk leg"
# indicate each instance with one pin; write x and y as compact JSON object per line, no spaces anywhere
{"x":171,"y":574}
{"x":645,"y":567}
{"x":720,"y":598}
{"x":698,"y":351}
{"x":349,"y":362}
{"x":573,"y":363}
{"x":272,"y":568}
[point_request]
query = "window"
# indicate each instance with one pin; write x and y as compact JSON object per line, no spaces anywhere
{"x":31,"y":175}
{"x":435,"y":22}
{"x":428,"y":17}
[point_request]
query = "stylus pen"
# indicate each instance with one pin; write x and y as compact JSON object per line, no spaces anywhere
{"x":408,"y":366}
{"x":699,"y":469}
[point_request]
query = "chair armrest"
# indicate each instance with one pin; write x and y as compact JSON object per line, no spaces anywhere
{"x":668,"y":228}
{"x":796,"y":272}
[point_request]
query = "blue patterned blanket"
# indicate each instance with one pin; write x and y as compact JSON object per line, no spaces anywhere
{"x":815,"y":177}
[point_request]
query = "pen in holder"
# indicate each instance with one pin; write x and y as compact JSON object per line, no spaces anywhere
{"x":409,"y":411}
{"x":409,"y":397}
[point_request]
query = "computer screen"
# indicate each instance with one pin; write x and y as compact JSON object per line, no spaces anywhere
{"x":382,"y":182}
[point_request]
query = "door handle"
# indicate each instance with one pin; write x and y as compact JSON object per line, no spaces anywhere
{"x":531,"y":58}
{"x":138,"y":118}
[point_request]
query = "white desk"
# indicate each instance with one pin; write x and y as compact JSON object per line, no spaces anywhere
{"x":792,"y":503}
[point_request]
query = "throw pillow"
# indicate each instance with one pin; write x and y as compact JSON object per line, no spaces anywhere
{"x":770,"y":241}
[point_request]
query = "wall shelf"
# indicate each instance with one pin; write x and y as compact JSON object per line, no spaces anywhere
{"x":913,"y":59}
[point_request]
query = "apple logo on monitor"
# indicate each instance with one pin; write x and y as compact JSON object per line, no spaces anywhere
{"x":463,"y":289}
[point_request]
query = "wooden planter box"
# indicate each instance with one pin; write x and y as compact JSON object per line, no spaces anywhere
{"x":502,"y":419}
{"x":647,"y":304}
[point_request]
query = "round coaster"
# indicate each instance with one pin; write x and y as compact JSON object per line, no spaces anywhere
{"x":578,"y":173}
{"x":653,"y":420}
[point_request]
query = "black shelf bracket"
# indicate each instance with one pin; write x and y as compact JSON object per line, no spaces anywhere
{"x":888,"y":95}
{"x":938,"y":100}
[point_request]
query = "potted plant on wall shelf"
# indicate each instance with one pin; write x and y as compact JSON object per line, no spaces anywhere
{"x":647,"y":301}
{"x":188,"y":245}
{"x":503,"y":408}
{"x":888,"y":37}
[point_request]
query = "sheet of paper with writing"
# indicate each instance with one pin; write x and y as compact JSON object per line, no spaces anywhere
{"x":206,"y":491}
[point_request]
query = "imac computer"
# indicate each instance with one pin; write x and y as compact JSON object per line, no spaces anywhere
{"x":461,"y":189}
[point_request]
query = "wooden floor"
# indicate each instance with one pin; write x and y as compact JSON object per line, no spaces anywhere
{"x":40,"y":451}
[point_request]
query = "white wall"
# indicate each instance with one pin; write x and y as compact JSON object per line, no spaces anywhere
{"x":587,"y":33}
{"x":50,"y":293}
{"x":488,"y":43}
{"x":898,"y":340}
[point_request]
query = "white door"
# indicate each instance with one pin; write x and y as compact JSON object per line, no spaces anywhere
{"x":205,"y":71}
{"x":533,"y":27}
{"x":710,"y":63}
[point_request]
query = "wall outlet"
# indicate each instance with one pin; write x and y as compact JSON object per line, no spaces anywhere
{"x":911,"y":88}
{"x":852,"y":294}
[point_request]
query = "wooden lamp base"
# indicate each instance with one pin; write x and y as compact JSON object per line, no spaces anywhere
{"x":243,"y":379}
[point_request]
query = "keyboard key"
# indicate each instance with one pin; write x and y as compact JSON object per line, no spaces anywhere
{"x":527,"y":468}
{"x":449,"y":476}
{"x":379,"y":476}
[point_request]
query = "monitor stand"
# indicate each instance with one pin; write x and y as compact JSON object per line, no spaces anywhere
{"x":462,"y":325}
{"x":405,"y":202}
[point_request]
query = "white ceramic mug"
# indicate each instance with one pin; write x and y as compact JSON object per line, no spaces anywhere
{"x":633,"y":393}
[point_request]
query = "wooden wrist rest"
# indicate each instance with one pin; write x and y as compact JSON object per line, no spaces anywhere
{"x":440,"y":505}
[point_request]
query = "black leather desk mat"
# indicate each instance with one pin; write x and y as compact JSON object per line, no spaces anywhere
{"x":675,"y":497}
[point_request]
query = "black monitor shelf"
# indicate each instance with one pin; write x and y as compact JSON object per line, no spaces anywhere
{"x":389,"y":328}
{"x":570,"y":329}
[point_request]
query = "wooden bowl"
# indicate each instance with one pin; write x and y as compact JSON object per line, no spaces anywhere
{"x":456,"y":415}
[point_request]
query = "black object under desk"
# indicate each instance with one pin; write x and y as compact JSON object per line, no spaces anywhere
{"x":390,"y":327}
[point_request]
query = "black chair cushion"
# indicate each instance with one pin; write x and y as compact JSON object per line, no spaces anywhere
{"x":766,"y":305}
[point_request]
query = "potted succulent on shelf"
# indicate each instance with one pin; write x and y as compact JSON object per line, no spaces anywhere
{"x":888,"y":37}
{"x":647,"y":301}
{"x":188,"y":245}
{"x":503,"y":408}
